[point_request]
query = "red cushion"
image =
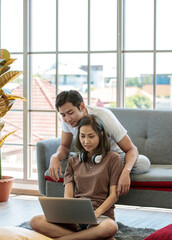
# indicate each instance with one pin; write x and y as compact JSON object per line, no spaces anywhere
{"x":158,"y":185}
{"x":50,"y":179}
{"x":153,"y":188}
{"x":164,"y":233}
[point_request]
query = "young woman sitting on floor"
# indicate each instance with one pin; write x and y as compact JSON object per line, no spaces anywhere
{"x":92,"y":173}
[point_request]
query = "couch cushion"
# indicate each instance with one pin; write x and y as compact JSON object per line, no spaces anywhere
{"x":164,"y":233}
{"x":158,"y":178}
{"x":18,"y":233}
{"x":150,"y":131}
{"x":157,"y":173}
{"x":48,"y":178}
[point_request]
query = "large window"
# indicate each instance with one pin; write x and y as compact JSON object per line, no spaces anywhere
{"x":147,"y":51}
{"x":117,"y":53}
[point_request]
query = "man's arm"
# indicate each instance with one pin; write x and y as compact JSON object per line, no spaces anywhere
{"x":60,"y":155}
{"x":131,"y":155}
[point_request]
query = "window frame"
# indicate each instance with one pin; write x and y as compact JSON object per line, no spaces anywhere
{"x":27,"y":78}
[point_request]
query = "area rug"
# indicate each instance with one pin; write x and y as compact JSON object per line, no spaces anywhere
{"x":124,"y":232}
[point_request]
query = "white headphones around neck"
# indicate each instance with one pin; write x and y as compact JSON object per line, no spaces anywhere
{"x":96,"y":158}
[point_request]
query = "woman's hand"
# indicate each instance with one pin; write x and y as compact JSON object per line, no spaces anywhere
{"x":96,"y":213}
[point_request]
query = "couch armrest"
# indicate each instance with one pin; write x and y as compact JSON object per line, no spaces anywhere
{"x":45,"y":149}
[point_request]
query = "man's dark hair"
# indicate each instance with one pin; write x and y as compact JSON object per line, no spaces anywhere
{"x":71,"y":96}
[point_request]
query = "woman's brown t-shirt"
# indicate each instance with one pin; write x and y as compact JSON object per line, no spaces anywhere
{"x":94,"y":180}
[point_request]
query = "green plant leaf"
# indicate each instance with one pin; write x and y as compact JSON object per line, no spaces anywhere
{"x":4,"y":103}
{"x":3,"y":61}
{"x":2,"y":114}
{"x":6,"y":99}
{"x":14,"y":97}
{"x":4,"y":54}
{"x":1,"y":126}
{"x":3,"y":69}
{"x":2,"y":139}
{"x":9,"y":76}
{"x":9,"y":61}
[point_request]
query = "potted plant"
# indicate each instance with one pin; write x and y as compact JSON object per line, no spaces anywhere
{"x":6,"y":102}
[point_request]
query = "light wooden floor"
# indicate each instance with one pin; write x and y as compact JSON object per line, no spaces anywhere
{"x":21,"y":208}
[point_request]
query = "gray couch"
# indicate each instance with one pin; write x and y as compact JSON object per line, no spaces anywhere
{"x":151,"y":132}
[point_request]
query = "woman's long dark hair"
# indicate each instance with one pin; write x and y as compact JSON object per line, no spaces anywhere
{"x":97,"y":125}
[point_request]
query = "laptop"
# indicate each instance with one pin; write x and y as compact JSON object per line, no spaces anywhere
{"x":68,"y":210}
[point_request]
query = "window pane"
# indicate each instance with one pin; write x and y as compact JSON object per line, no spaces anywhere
{"x":164,"y":81}
{"x":12,"y":25}
{"x":72,"y":25}
{"x":33,"y":166}
{"x":43,"y":25}
{"x":103,"y":80}
{"x":138,"y":80}
{"x":43,"y":126}
{"x":139,"y":24}
{"x":43,"y":81}
{"x":72,"y":72}
{"x":12,"y":161}
{"x":17,"y":64}
{"x":164,"y":19}
{"x":13,"y":122}
{"x":103,"y":24}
